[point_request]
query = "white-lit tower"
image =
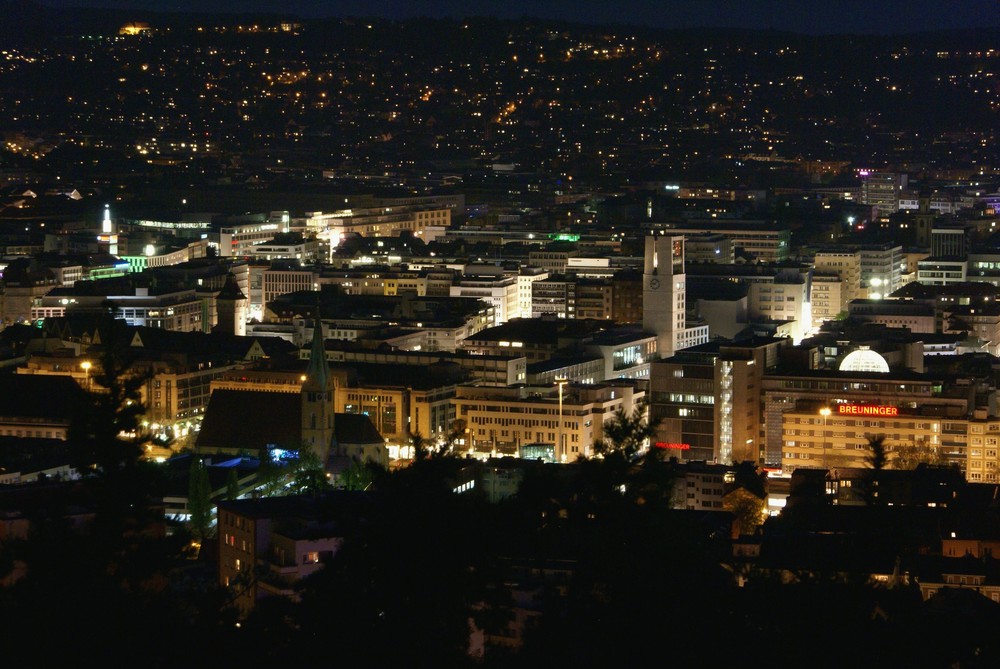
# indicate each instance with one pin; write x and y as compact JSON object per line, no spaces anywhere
{"x":663,"y":291}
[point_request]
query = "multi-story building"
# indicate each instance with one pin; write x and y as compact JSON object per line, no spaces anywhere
{"x":664,"y":302}
{"x":882,"y":190}
{"x":918,"y":316}
{"x":166,"y":307}
{"x":785,"y":298}
{"x":496,"y":370}
{"x":707,"y":399}
{"x":385,"y":221}
{"x":835,"y":435}
{"x":908,"y":391}
{"x":534,"y":338}
{"x":827,"y":298}
{"x":526,"y":278}
{"x":882,"y":267}
{"x":287,"y":245}
{"x":554,"y":297}
{"x":383,"y":280}
{"x":594,"y":299}
{"x":237,"y":237}
{"x":941,"y":270}
{"x":766,"y":242}
{"x":778,"y":295}
{"x":24,"y":282}
{"x":627,"y":289}
{"x":982,"y":322}
{"x":846,"y":265}
{"x":282,"y":278}
{"x":401,"y":402}
{"x":950,"y":240}
{"x":505,"y":420}
{"x":552,"y":260}
{"x":40,"y":407}
{"x":709,"y":247}
{"x":267,"y":545}
{"x":157,"y":255}
{"x":500,"y":292}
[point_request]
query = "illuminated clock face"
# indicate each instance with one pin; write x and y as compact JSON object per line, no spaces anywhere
{"x":654,"y":283}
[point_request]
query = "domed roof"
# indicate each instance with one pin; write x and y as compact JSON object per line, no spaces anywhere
{"x":864,"y":360}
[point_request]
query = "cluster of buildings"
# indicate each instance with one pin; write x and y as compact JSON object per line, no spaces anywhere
{"x":504,"y":339}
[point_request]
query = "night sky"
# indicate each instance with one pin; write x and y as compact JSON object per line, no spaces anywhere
{"x":804,"y":16}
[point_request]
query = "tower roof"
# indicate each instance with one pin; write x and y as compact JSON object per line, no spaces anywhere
{"x":231,"y":289}
{"x":318,"y":371}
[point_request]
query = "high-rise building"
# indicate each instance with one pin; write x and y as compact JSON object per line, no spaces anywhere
{"x":882,"y":190}
{"x":664,"y":296}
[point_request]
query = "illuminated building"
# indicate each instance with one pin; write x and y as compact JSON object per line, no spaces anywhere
{"x":882,"y":267}
{"x":918,"y":316}
{"x":502,"y":420}
{"x":108,"y":239}
{"x":167,"y":307}
{"x":388,"y":221}
{"x":826,"y":298}
{"x":664,"y":303}
{"x":708,"y":397}
{"x":882,"y":190}
{"x":766,"y":242}
{"x":840,"y":440}
{"x":845,"y":264}
{"x":501,"y":292}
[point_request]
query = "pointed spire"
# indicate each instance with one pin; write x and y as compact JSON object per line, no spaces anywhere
{"x":318,"y":371}
{"x":231,"y":289}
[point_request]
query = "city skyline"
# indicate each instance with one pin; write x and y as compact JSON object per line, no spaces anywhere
{"x":837,"y":17}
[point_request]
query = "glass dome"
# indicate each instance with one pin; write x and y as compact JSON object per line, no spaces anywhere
{"x":864,"y":360}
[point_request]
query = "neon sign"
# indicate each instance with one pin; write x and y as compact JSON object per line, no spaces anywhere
{"x":670,"y":444}
{"x":867,"y":410}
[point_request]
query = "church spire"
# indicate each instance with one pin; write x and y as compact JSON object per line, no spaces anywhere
{"x":318,"y":371}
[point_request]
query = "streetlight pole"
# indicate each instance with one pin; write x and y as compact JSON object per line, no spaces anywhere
{"x":561,"y":381}
{"x":825,"y":412}
{"x":85,"y":366}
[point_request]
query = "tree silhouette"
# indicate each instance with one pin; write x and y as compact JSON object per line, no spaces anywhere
{"x":626,"y":434}
{"x":107,"y":438}
{"x":454,"y":437}
{"x":419,"y":446}
{"x":232,"y":484}
{"x":877,"y":459}
{"x":199,"y":499}
{"x":908,"y":456}
{"x":308,"y":475}
{"x":747,"y":509}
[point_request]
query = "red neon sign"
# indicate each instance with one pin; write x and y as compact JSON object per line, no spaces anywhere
{"x":670,"y":444}
{"x":867,"y":410}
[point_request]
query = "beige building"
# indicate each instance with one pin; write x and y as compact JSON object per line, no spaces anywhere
{"x":827,"y":298}
{"x":386,"y":221}
{"x":505,"y":420}
{"x":383,"y":281}
{"x":839,"y":439}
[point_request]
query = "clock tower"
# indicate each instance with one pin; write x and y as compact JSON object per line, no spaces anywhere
{"x":663,"y":291}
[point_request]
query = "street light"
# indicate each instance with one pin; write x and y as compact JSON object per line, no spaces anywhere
{"x":85,"y":366}
{"x":825,"y":411}
{"x":561,"y":381}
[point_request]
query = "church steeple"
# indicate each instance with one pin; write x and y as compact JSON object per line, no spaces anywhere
{"x":318,"y":408}
{"x":318,"y":371}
